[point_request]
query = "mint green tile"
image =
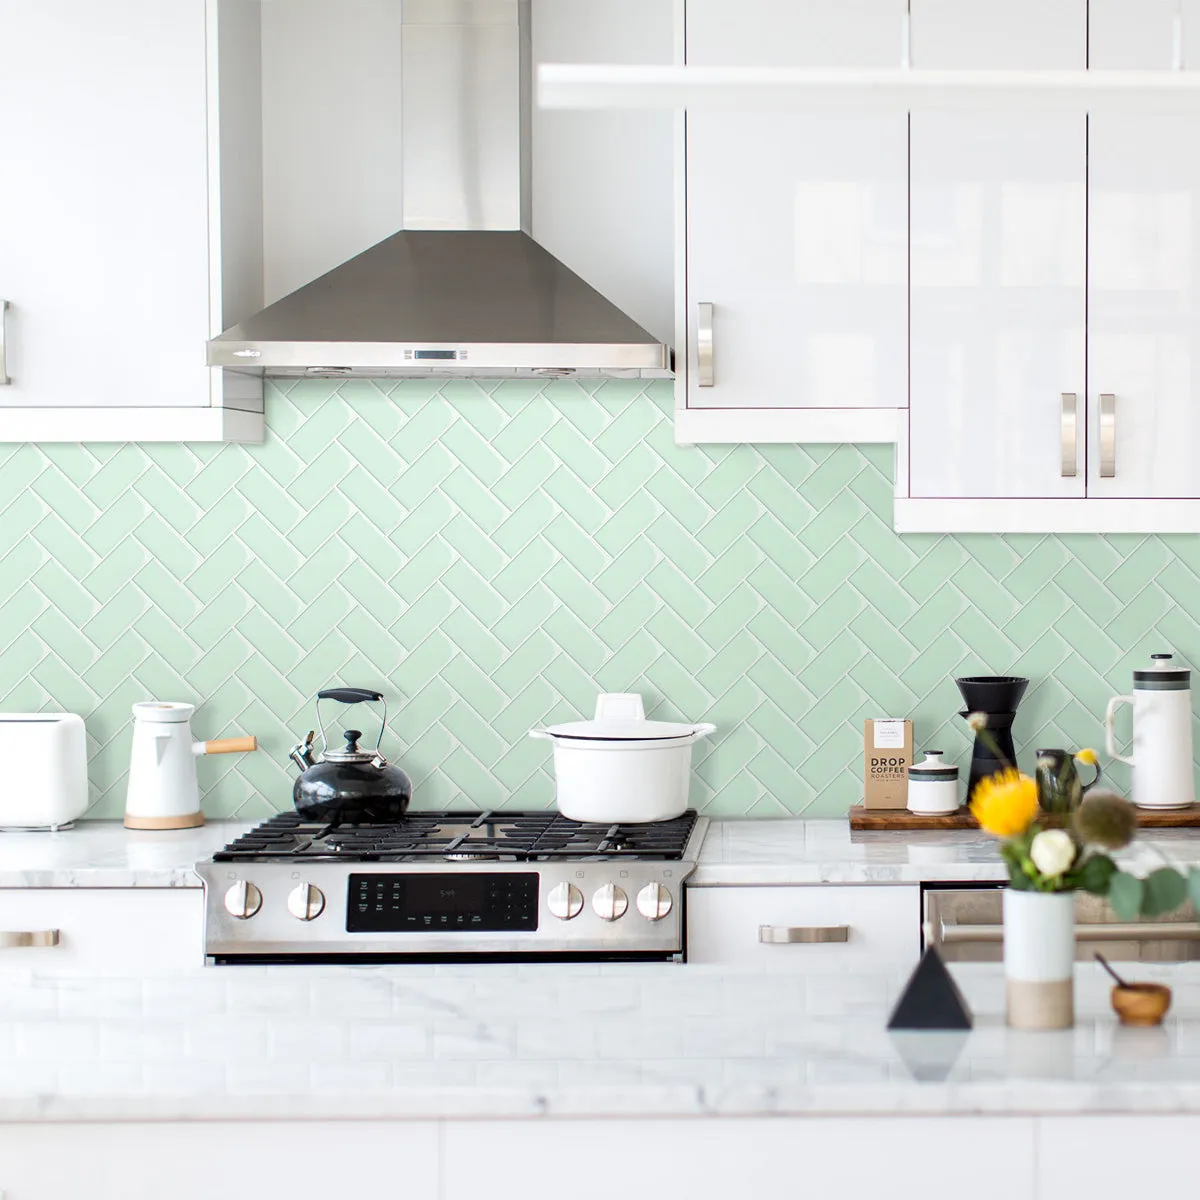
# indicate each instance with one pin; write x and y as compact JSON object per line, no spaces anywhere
{"x":422,"y":523}
{"x":576,"y":593}
{"x":574,"y":544}
{"x":217,"y":570}
{"x":471,"y":636}
{"x":164,"y":546}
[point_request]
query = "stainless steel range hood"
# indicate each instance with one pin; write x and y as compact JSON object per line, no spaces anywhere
{"x":480,"y":297}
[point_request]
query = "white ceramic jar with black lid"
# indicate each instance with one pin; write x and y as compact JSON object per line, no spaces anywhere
{"x":933,"y":786}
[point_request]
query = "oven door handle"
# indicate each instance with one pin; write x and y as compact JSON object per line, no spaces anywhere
{"x":949,"y":933}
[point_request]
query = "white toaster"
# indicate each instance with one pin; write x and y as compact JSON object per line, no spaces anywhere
{"x":46,"y":782}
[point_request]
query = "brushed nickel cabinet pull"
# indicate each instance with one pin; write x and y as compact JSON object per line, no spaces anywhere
{"x":1070,"y":435}
{"x":11,"y":940}
{"x":704,"y":345}
{"x":787,"y":935}
{"x":1108,"y":436}
{"x":4,"y":379}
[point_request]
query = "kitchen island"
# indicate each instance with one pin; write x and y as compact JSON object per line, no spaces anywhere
{"x":461,"y":1068}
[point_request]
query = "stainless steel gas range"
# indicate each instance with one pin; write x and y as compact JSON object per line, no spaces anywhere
{"x":450,"y":886}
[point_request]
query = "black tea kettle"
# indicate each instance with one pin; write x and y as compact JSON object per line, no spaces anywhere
{"x":346,"y":784}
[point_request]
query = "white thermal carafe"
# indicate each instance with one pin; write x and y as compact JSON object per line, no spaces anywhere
{"x":1163,"y":770}
{"x":163,"y":792}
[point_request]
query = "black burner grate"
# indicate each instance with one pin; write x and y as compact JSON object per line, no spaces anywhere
{"x":513,"y":836}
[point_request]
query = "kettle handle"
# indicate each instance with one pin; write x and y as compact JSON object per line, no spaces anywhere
{"x":1109,"y":733}
{"x":349,"y":695}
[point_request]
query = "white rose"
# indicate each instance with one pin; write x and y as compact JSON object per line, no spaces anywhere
{"x":1052,"y":852}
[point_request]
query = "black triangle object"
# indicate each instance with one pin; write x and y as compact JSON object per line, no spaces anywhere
{"x":931,"y":999}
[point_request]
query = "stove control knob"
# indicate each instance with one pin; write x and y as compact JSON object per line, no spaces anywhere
{"x":654,"y":902}
{"x":565,"y":901}
{"x":306,"y":902}
{"x":243,"y":900}
{"x":610,"y":902}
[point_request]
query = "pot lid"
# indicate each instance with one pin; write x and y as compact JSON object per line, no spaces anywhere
{"x":350,"y":753}
{"x":932,"y":767}
{"x":1163,"y":674}
{"x":620,"y":717}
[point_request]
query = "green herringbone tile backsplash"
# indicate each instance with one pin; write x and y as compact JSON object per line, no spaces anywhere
{"x":492,"y":556}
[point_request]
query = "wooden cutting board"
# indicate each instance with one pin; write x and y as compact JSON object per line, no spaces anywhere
{"x":900,"y":820}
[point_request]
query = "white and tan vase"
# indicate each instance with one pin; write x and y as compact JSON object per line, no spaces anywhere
{"x":1039,"y":959}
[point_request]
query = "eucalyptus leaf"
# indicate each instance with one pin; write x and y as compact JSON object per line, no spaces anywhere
{"x":1096,"y":874}
{"x":1165,"y":890}
{"x":1125,"y":893}
{"x":1194,"y":887}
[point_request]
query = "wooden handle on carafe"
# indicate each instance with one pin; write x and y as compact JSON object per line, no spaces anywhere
{"x":231,"y":745}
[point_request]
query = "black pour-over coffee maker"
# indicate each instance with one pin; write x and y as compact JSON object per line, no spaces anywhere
{"x":997,"y":697}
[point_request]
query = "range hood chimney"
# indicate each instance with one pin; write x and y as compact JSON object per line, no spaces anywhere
{"x":462,"y":289}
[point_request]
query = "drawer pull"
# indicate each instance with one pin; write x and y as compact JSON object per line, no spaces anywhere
{"x":1133,"y":931}
{"x":10,"y":940}
{"x":787,"y":935}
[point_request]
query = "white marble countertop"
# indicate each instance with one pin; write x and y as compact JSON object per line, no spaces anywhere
{"x":785,"y":851}
{"x":563,"y":1040}
{"x":104,"y":854}
{"x":793,"y":851}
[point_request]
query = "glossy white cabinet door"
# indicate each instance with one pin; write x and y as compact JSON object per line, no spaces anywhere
{"x":797,"y":223}
{"x":998,"y":262}
{"x":772,"y":1158}
{"x":882,"y":925}
{"x":221,"y":1160}
{"x":1143,"y":269}
{"x":103,"y":202}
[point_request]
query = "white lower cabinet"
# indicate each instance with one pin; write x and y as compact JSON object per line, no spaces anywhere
{"x":143,"y":930}
{"x":791,"y":926}
{"x":219,"y":1160}
{"x":723,"y":1159}
{"x":1150,"y":1154}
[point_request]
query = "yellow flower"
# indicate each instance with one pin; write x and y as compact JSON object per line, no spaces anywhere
{"x":1089,"y":757}
{"x":1005,"y":804}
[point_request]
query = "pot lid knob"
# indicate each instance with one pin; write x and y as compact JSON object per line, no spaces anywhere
{"x":352,"y":736}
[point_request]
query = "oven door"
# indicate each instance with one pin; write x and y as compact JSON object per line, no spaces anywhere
{"x":966,"y":925}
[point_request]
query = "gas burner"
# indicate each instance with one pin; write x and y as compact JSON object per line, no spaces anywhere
{"x":467,"y":855}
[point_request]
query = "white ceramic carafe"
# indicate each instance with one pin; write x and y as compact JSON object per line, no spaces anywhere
{"x":1163,"y":770}
{"x":163,"y":792}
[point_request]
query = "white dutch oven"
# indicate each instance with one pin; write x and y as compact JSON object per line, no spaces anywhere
{"x":620,"y":767}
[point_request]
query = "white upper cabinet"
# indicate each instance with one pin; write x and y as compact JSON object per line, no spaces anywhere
{"x":1143,"y":269}
{"x":1055,"y":297}
{"x":998,"y":263}
{"x":105,"y":226}
{"x":795,"y":264}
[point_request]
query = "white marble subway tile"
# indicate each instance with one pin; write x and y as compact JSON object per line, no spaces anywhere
{"x":375,"y":1040}
{"x":141,"y":1041}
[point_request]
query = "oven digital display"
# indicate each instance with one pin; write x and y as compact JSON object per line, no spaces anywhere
{"x":437,"y":894}
{"x":441,"y":903}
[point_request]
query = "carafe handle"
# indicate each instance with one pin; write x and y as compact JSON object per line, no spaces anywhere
{"x":1110,"y":734}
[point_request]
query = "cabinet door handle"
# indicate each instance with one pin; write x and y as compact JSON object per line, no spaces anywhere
{"x":1108,"y":436}
{"x":4,"y":379}
{"x":1070,"y":435}
{"x":787,"y":935}
{"x":704,"y":345}
{"x":11,"y":940}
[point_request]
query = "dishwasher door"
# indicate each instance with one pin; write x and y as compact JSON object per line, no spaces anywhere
{"x":966,"y":925}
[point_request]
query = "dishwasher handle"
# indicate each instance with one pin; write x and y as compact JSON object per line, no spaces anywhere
{"x":949,"y":933}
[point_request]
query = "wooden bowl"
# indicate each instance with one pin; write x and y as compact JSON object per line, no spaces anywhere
{"x":1141,"y":1003}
